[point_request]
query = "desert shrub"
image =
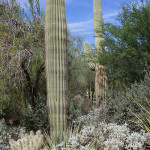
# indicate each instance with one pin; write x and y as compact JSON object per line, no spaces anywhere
{"x":119,"y":105}
{"x":100,"y":135}
{"x":8,"y":132}
{"x":91,"y":118}
{"x":3,"y":98}
{"x":11,"y":102}
{"x":37,"y":118}
{"x":74,"y":109}
{"x":94,"y":135}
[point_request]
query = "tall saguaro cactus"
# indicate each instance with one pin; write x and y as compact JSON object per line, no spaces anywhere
{"x":100,"y":78}
{"x":97,"y":14}
{"x":55,"y":45}
{"x":100,"y":73}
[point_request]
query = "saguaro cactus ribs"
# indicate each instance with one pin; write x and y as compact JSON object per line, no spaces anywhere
{"x":55,"y":45}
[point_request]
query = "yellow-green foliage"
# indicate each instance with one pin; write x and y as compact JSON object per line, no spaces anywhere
{"x":146,"y":116}
{"x":28,"y":142}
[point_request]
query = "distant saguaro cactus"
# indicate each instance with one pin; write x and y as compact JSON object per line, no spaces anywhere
{"x":89,"y":55}
{"x":97,"y":14}
{"x":56,"y":72}
{"x":100,"y":77}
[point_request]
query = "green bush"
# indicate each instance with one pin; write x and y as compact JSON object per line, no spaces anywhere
{"x":119,"y":104}
{"x":37,"y":118}
{"x":74,"y":109}
{"x":11,"y":102}
{"x":7,"y":132}
{"x":3,"y":98}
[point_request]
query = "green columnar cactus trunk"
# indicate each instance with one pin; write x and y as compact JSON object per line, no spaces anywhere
{"x":100,"y":78}
{"x":97,"y":14}
{"x":89,"y":55}
{"x":56,"y":46}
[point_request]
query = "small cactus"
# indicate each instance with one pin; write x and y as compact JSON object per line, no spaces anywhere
{"x":28,"y":141}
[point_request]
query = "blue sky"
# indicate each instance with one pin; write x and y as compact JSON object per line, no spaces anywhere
{"x":79,"y":15}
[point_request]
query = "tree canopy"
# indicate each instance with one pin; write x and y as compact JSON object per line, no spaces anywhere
{"x":127,"y":44}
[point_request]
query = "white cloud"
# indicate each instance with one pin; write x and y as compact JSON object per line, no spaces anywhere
{"x":68,"y":1}
{"x":113,"y":14}
{"x":110,"y":17}
{"x":84,"y":26}
{"x":81,"y":24}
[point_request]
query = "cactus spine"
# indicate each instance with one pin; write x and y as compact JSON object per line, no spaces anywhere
{"x":56,"y":45}
{"x":100,"y":78}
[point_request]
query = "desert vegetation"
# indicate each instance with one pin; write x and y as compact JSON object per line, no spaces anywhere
{"x":56,"y":92}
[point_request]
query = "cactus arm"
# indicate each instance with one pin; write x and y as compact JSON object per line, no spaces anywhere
{"x":89,"y":55}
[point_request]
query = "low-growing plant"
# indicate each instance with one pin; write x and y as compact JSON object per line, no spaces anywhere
{"x":52,"y":144}
{"x":100,"y":135}
{"x":145,"y":119}
{"x":37,"y":118}
{"x":94,"y":135}
{"x":74,"y":109}
{"x":7,"y":132}
{"x":28,"y":141}
{"x":119,"y":104}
